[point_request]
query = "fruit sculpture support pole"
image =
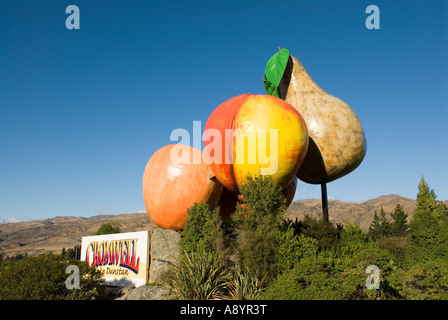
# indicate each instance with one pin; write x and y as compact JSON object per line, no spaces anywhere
{"x":323,"y":188}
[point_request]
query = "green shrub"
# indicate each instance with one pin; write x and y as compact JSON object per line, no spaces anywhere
{"x":293,"y":248}
{"x":307,"y":280}
{"x":202,"y":230}
{"x":262,"y":203}
{"x":397,"y":246}
{"x":258,"y":223}
{"x":43,"y":278}
{"x":326,"y":233}
{"x":311,"y":272}
{"x":109,"y":228}
{"x":423,"y":281}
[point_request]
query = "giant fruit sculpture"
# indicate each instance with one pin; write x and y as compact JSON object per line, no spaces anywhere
{"x":337,"y":143}
{"x":250,"y":127}
{"x":170,"y":188}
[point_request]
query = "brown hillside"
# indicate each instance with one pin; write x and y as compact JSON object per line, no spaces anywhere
{"x":51,"y":235}
{"x":360,"y":214}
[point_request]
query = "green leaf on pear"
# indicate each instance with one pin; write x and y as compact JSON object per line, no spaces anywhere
{"x":276,"y":66}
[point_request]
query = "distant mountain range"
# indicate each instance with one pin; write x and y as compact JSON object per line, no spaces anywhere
{"x":10,"y":220}
{"x":51,"y":235}
{"x":360,"y":214}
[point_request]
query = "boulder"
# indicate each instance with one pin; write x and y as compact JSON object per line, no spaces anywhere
{"x":117,"y":293}
{"x":164,"y":254}
{"x":146,"y":292}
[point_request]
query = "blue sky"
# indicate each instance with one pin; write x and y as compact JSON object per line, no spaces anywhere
{"x":82,"y":111}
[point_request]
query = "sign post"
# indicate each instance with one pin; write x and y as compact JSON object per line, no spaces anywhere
{"x":123,"y":258}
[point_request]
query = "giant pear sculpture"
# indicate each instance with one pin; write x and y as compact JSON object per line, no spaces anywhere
{"x":337,"y":144}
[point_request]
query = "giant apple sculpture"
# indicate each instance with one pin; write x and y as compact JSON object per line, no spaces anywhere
{"x":170,"y":188}
{"x":245,"y":130}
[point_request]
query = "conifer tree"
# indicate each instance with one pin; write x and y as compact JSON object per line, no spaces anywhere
{"x":428,"y":234}
{"x":426,"y":198}
{"x":375,"y":226}
{"x":380,"y":226}
{"x":399,"y":225}
{"x":385,"y":224}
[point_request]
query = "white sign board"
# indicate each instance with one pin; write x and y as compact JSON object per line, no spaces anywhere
{"x":123,"y":258}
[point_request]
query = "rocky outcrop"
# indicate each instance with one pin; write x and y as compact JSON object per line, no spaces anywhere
{"x":117,"y":293}
{"x":144,"y":292}
{"x":164,"y":254}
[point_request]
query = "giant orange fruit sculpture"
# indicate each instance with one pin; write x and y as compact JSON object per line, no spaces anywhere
{"x":255,"y":135}
{"x":170,"y":187}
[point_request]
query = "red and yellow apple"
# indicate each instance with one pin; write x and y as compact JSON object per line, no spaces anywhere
{"x":170,"y":187}
{"x":255,"y":135}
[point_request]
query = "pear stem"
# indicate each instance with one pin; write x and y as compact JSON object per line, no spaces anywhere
{"x":323,"y":189}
